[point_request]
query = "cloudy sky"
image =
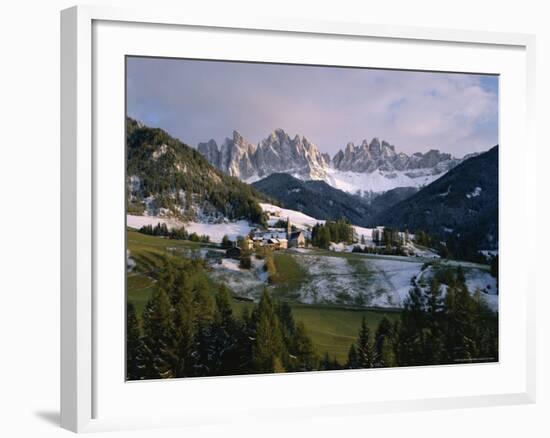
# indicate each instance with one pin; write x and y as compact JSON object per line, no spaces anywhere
{"x":331,"y":106}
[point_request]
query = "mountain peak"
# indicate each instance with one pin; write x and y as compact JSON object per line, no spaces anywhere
{"x":280,"y":153}
{"x":237,"y":136}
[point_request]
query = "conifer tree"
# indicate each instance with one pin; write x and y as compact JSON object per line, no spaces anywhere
{"x":352,"y":358}
{"x":411,"y":329}
{"x":202,"y":299}
{"x":159,"y":336}
{"x":387,"y":356}
{"x":303,"y":351}
{"x":226,"y":243}
{"x":134,"y":345}
{"x":184,"y":325}
{"x":327,"y":363}
{"x":246,"y":335}
{"x":434,"y":335}
{"x":268,"y":343}
{"x":487,"y":329}
{"x":460,"y":345}
{"x":366,"y":354}
{"x":224,"y":354}
{"x":324,"y":237}
{"x":383,"y":331}
{"x":201,"y":358}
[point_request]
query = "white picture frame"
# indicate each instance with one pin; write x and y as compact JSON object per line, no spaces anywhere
{"x":84,"y":379}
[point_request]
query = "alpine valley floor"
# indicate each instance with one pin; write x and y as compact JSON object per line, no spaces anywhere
{"x":328,"y":291}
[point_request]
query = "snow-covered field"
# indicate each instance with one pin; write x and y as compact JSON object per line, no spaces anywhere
{"x":359,"y":280}
{"x":215,"y":231}
{"x":372,"y":280}
{"x":487,"y":284}
{"x":392,"y":280}
{"x":476,"y":279}
{"x":376,"y":181}
{"x":297,"y":218}
{"x":137,"y":222}
{"x":244,"y":282}
{"x":331,"y":280}
{"x":489,"y":252}
{"x":302,"y":220}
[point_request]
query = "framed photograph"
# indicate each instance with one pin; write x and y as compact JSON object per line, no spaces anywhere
{"x":288,"y":218}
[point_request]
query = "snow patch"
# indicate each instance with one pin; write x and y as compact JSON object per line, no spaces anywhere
{"x":379,"y":181}
{"x":296,"y":218}
{"x":130,"y":263}
{"x":214,"y":231}
{"x":475,"y":193}
{"x":217,"y":231}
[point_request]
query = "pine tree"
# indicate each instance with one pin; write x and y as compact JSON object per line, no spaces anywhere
{"x":201,"y":357}
{"x":202,"y":299}
{"x":246,"y":335}
{"x":366,"y":354}
{"x":383,"y":331}
{"x":226,"y":243}
{"x":411,"y":348}
{"x":485,"y":328}
{"x":303,"y":350}
{"x":224,"y":354}
{"x":327,"y":363}
{"x":268,"y":343}
{"x":184,"y":325}
{"x":134,"y":345}
{"x":434,"y":335}
{"x":324,"y":237}
{"x":352,"y":358}
{"x":460,"y":345}
{"x":387,"y":355}
{"x":159,"y":336}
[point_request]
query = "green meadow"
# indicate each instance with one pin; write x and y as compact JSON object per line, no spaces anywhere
{"x":332,"y":328}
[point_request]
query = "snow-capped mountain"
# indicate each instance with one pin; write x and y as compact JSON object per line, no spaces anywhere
{"x":367,"y":168}
{"x":278,"y":153}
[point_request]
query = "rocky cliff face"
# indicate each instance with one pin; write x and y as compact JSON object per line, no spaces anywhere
{"x":382,"y":156}
{"x":234,"y":157}
{"x":275,"y":154}
{"x":297,"y":156}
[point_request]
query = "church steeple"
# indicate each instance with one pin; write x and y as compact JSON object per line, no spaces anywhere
{"x":288,"y":228}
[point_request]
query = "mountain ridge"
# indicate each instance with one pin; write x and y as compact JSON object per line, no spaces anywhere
{"x":460,"y":208}
{"x":299,"y":157}
{"x":166,"y":177}
{"x":303,"y":196}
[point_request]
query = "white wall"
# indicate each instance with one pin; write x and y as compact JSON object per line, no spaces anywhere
{"x":29,"y":193}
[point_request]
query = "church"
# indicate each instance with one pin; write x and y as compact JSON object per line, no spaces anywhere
{"x":296,"y":239}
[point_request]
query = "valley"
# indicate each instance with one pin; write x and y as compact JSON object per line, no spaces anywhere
{"x":337,"y":242}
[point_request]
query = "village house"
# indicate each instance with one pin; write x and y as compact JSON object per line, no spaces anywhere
{"x":247,"y":244}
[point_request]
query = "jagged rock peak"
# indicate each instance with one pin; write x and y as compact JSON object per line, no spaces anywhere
{"x":280,"y":153}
